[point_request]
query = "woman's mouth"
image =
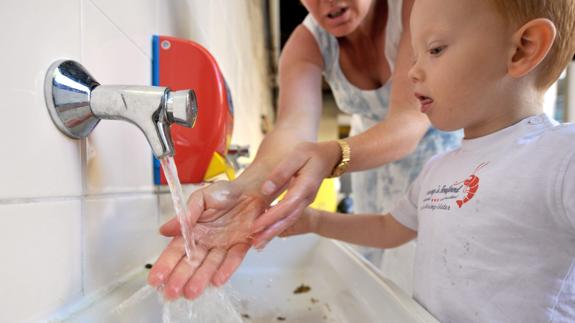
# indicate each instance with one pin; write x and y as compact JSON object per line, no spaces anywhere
{"x":425,"y":101}
{"x":336,"y":12}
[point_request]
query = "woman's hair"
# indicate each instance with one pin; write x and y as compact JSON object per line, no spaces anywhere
{"x":562,"y":14}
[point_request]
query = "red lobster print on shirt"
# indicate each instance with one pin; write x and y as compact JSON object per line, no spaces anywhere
{"x":471,"y":185}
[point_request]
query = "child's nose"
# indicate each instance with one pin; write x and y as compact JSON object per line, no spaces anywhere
{"x":415,"y":74}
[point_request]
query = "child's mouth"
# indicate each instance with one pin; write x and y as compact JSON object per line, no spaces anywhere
{"x":425,"y":101}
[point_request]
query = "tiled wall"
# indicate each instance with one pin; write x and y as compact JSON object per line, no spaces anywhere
{"x":77,"y":215}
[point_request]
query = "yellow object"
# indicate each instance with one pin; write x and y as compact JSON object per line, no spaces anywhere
{"x":219,"y":165}
{"x":326,"y":198}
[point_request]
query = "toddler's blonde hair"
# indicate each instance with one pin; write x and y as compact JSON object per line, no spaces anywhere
{"x":562,"y":14}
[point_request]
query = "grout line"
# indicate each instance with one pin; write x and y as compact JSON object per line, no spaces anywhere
{"x":157,"y":17}
{"x":82,"y":29}
{"x":83,"y":210}
{"x":83,"y":148}
{"x":27,"y":200}
{"x":48,"y":199}
{"x":120,"y":30}
{"x":119,"y":195}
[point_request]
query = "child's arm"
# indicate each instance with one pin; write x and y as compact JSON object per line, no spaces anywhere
{"x":374,"y":230}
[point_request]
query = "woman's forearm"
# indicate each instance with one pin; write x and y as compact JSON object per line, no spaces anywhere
{"x":299,"y":106}
{"x":390,"y":140}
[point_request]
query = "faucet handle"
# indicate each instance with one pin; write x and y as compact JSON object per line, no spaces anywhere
{"x":235,"y":152}
{"x":182,"y":107}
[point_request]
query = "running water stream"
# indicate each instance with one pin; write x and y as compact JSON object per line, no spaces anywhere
{"x":180,"y":205}
{"x":214,"y":305}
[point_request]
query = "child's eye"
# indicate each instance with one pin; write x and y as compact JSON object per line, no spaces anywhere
{"x":437,"y":50}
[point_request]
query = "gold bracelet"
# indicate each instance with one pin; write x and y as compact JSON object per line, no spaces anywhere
{"x":344,"y":161}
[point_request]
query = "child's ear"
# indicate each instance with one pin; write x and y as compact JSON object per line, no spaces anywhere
{"x":531,"y":44}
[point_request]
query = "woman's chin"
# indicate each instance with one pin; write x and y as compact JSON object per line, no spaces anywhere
{"x":339,"y":30}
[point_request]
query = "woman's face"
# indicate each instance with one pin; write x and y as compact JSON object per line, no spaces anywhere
{"x":338,"y":17}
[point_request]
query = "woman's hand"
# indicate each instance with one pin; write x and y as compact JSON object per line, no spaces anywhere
{"x":301,"y":172}
{"x":224,"y":219}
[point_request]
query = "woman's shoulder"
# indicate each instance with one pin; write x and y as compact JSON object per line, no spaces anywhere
{"x":325,"y":42}
{"x":324,"y":39}
{"x":301,"y":47}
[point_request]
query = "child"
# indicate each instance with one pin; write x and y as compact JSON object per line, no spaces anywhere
{"x":494,"y":219}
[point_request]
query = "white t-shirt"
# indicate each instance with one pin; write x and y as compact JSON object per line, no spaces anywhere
{"x":496,"y":227}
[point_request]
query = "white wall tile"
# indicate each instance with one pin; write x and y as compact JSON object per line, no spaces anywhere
{"x":40,"y":249}
{"x":134,"y":18}
{"x":119,"y":156}
{"x":175,"y":18}
{"x":166,"y":205}
{"x":37,"y":160}
{"x":121,"y":234}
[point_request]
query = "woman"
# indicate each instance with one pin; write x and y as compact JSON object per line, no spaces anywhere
{"x":361,"y":47}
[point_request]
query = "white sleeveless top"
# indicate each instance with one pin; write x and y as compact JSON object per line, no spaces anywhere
{"x":376,"y":191}
{"x":370,"y":104}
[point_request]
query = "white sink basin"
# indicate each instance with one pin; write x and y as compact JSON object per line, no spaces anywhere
{"x":343,"y":288}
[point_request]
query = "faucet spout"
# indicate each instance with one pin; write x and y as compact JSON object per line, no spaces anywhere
{"x":77,"y":102}
{"x":152,"y":109}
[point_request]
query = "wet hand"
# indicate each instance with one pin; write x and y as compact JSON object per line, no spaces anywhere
{"x":222,"y":232}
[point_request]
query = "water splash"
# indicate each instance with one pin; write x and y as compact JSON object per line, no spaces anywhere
{"x":213,"y":306}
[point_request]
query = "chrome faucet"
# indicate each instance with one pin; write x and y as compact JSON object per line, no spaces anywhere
{"x":77,"y":103}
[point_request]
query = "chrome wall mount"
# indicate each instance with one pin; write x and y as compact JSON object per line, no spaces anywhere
{"x":77,"y":102}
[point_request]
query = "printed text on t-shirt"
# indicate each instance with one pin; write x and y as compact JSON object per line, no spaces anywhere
{"x":442,"y":196}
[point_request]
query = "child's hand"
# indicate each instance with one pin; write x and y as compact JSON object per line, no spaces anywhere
{"x":306,"y":223}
